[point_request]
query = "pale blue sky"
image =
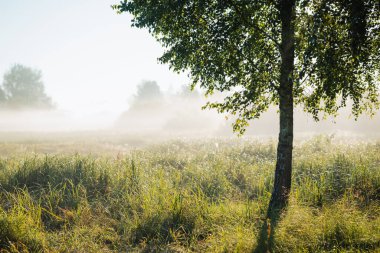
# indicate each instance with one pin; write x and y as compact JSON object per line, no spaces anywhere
{"x":90,"y":57}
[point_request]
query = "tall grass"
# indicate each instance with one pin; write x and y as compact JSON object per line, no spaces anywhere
{"x":185,"y":196}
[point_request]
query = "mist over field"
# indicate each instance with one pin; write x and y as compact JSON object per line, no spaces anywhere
{"x":150,"y":115}
{"x":176,"y":115}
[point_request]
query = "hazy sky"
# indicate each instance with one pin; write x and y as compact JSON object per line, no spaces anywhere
{"x":90,"y":57}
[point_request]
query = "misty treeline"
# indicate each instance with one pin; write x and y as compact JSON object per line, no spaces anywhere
{"x":22,"y":88}
{"x":151,"y":109}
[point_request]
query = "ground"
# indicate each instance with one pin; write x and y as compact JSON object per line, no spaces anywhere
{"x":85,"y":193}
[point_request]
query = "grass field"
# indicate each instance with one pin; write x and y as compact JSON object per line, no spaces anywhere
{"x":186,"y":195}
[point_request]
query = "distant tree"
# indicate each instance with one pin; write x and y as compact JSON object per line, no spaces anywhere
{"x":316,"y":53}
{"x":23,"y":87}
{"x":145,"y":110}
{"x":2,"y":97}
{"x":148,"y":95}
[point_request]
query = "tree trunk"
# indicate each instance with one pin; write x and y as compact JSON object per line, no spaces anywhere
{"x":283,"y":173}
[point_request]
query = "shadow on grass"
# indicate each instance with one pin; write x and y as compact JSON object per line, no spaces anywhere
{"x":265,"y":242}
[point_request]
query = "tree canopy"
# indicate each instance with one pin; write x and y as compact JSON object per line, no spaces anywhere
{"x":235,"y":46}
{"x":23,"y":87}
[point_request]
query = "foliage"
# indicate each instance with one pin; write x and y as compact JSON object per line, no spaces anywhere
{"x":190,"y":196}
{"x":235,"y":47}
{"x":22,"y":87}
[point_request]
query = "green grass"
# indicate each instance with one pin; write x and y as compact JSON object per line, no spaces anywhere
{"x":191,"y":196}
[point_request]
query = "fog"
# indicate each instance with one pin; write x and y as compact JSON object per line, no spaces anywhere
{"x":53,"y":121}
{"x":177,"y":115}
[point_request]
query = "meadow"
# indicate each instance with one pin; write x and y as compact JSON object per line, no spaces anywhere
{"x":185,"y":195}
